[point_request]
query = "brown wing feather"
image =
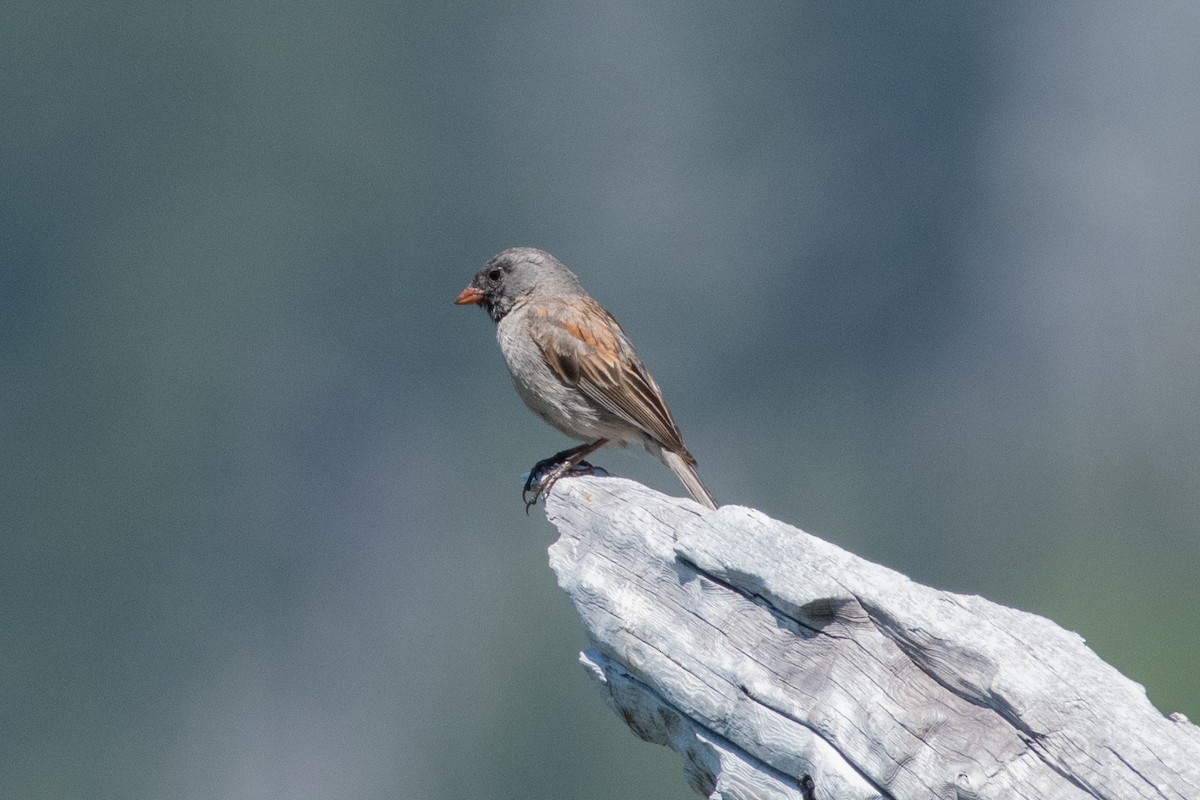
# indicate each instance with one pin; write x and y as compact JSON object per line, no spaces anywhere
{"x":587,"y":348}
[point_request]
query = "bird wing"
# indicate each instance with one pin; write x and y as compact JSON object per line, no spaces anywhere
{"x":586,"y":348}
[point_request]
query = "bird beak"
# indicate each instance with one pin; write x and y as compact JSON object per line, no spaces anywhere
{"x":469,"y":296}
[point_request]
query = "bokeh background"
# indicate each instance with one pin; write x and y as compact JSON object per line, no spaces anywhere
{"x":923,"y":279}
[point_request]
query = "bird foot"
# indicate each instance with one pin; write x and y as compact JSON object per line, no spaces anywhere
{"x":546,"y":473}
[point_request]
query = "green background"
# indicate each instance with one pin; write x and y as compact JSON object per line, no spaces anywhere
{"x":921,"y":279}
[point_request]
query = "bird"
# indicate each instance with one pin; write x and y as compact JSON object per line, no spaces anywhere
{"x":574,"y":367}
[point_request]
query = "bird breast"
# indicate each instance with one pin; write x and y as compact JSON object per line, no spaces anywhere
{"x":563,"y":406}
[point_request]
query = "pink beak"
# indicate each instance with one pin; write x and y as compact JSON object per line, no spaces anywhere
{"x":469,"y":296}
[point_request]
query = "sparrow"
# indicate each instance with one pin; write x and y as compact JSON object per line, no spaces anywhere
{"x":575,"y":368}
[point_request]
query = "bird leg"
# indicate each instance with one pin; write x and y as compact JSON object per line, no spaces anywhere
{"x":566,"y":462}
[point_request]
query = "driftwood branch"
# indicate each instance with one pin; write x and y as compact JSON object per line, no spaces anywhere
{"x":780,"y":666}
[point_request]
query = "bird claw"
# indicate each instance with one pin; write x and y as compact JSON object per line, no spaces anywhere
{"x":546,"y":473}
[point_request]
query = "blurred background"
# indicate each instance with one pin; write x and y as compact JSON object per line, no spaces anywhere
{"x":921,"y":279}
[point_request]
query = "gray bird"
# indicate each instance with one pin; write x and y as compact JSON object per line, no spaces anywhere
{"x":574,"y":367}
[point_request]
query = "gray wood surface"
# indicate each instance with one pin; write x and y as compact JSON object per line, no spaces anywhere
{"x":780,"y":666}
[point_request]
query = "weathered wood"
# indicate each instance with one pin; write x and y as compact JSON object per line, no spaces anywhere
{"x":780,"y":666}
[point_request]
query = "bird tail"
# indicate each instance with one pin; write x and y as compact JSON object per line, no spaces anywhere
{"x":684,"y":467}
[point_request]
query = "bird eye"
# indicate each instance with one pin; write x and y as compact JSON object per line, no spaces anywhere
{"x":495,"y":274}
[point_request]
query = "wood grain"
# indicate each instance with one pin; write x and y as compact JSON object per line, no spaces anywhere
{"x":780,"y":666}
